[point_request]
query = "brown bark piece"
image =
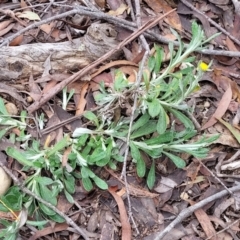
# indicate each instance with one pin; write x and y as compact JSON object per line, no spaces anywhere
{"x":20,"y":61}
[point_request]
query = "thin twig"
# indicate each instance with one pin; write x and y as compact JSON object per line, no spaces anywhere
{"x":189,"y":211}
{"x":211,"y":21}
{"x":27,"y":191}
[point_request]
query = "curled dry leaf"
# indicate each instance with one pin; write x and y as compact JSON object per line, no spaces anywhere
{"x":5,"y":181}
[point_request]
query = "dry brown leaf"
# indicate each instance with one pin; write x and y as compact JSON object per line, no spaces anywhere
{"x":24,"y":5}
{"x":65,"y":156}
{"x":82,"y":101}
{"x":16,"y":41}
{"x":162,"y":6}
{"x":126,"y":227}
{"x":7,"y":29}
{"x":4,"y":24}
{"x":221,"y":109}
{"x":47,"y":88}
{"x":205,"y":223}
{"x":223,"y":82}
{"x":35,"y":91}
{"x":46,"y":231}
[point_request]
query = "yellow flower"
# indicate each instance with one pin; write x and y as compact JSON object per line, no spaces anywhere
{"x":203,"y":66}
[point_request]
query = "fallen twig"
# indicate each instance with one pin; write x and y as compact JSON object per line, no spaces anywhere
{"x":189,"y":211}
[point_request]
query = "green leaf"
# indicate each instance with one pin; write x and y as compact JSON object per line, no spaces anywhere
{"x":154,"y":107}
{"x":134,"y":152}
{"x":141,"y":121}
{"x":92,"y":117}
{"x":84,"y":172}
{"x":58,"y":146}
{"x":146,"y":129}
{"x":100,"y":183}
{"x":49,"y":212}
{"x":19,"y":156}
{"x":87,"y":184}
{"x":136,"y":155}
{"x":97,"y":155}
{"x":56,"y":218}
{"x":47,"y":195}
{"x":44,"y":180}
{"x":3,"y":132}
{"x":158,"y":58}
{"x":166,"y":137}
{"x":151,"y":63}
{"x":151,"y":176}
{"x":141,"y":167}
{"x":68,"y":196}
{"x":69,"y":183}
{"x":37,"y":223}
{"x":162,"y":121}
{"x":180,"y":116}
{"x":120,"y":81}
{"x":3,"y":109}
{"x":179,"y":162}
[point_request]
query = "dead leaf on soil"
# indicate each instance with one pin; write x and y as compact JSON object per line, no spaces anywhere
{"x":223,"y":82}
{"x":204,"y":221}
{"x":162,"y":6}
{"x":233,"y":130}
{"x":126,"y":227}
{"x":221,"y":109}
{"x":48,"y":230}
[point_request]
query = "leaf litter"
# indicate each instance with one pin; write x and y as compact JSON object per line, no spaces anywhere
{"x":174,"y":189}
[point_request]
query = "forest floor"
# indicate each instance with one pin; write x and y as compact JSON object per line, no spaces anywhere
{"x":120,"y":119}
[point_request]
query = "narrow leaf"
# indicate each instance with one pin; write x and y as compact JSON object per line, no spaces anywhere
{"x":20,"y":157}
{"x":92,"y":117}
{"x":162,"y":121}
{"x":180,"y":116}
{"x":151,"y":176}
{"x":221,"y":109}
{"x":233,"y":130}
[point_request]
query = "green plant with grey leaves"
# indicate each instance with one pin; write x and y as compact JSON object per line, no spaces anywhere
{"x":161,"y":100}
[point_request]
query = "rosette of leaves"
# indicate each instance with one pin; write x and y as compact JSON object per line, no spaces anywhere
{"x":161,"y":94}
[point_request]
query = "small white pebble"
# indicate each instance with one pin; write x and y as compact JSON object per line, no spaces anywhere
{"x":206,"y":104}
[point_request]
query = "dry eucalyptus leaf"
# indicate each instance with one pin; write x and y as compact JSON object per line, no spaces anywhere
{"x":5,"y":181}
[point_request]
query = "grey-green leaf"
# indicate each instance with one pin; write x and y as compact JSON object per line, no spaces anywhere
{"x":100,"y":183}
{"x":151,"y":176}
{"x":154,"y":108}
{"x":87,"y":184}
{"x":179,"y":162}
{"x":162,"y":121}
{"x":92,"y":117}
